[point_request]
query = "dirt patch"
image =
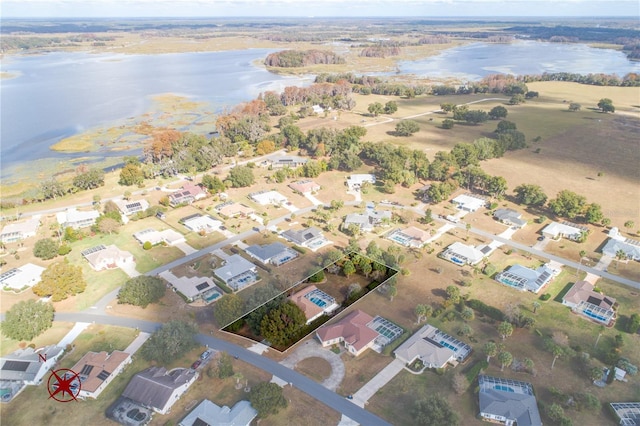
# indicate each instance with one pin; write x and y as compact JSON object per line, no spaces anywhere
{"x":315,"y":368}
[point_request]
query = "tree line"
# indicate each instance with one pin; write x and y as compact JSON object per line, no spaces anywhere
{"x":302,"y":58}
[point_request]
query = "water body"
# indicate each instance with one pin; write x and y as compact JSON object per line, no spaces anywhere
{"x":57,"y":95}
{"x":474,"y":61}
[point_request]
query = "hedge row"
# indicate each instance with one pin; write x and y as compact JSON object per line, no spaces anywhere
{"x":489,"y":311}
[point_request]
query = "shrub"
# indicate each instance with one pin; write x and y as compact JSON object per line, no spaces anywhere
{"x":487,"y":310}
{"x":147,"y":245}
{"x":299,"y":249}
{"x":474,"y":370}
{"x":545,"y":296}
{"x":64,"y":250}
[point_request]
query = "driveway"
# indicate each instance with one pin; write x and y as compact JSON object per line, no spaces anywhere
{"x":313,"y":199}
{"x":186,"y":248}
{"x":361,"y":397}
{"x":311,"y":348}
{"x":130,"y":269}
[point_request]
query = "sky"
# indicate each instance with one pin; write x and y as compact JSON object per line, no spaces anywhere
{"x":306,"y":8}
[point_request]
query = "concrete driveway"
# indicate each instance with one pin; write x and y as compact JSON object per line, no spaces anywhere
{"x":311,"y":348}
{"x":361,"y":397}
{"x":186,"y":248}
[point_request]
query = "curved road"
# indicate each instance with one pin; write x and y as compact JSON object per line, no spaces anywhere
{"x":301,"y":382}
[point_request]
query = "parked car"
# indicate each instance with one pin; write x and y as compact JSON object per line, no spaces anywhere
{"x":541,"y":238}
{"x":206,"y":354}
{"x":196,"y":364}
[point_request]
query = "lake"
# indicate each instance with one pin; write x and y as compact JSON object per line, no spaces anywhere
{"x":474,"y":61}
{"x":61,"y":94}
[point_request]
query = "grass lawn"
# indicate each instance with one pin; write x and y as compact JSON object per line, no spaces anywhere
{"x":359,"y":370}
{"x":315,"y":368}
{"x":50,"y":337}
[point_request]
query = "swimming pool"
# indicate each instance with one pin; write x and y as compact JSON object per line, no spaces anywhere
{"x":449,"y":346}
{"x":321,"y":303}
{"x":594,"y":316}
{"x":504,"y":388}
{"x":457,"y":261}
{"x":211,"y":297}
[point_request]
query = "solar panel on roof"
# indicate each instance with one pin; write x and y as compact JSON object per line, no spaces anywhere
{"x":16,"y":366}
{"x":133,"y":205}
{"x":86,"y":370}
{"x":202,"y":286}
{"x":200,"y":422}
{"x":10,"y":273}
{"x":92,"y":250}
{"x":103,"y":375}
{"x":593,"y":300}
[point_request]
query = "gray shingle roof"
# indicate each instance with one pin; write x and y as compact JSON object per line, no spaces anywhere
{"x":267,"y":251}
{"x":517,"y":404}
{"x":154,"y":386}
{"x":234,"y":266}
{"x":211,"y":414}
{"x":24,"y":364}
{"x":303,"y":235}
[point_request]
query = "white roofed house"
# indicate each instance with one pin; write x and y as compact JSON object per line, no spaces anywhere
{"x":268,"y":197}
{"x":433,"y":347}
{"x":107,"y":257}
{"x":237,"y":272}
{"x":523,"y":278}
{"x":18,"y":231}
{"x":356,"y":181}
{"x":469,"y":202}
{"x":291,"y":161}
{"x":198,"y":222}
{"x":568,"y":230}
{"x":368,"y":220}
{"x":26,"y":275}
{"x":168,"y":236}
{"x":619,"y":244}
{"x":128,"y":208}
{"x":462,"y":254}
{"x":72,"y":218}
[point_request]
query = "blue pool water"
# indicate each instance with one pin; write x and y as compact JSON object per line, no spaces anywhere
{"x":595,"y":316}
{"x":318,"y":301}
{"x":213,"y":296}
{"x":504,"y":388}
{"x":457,"y":261}
{"x":509,"y":282}
{"x":449,"y":346}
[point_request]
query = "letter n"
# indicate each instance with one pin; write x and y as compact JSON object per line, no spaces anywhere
{"x":43,"y":358}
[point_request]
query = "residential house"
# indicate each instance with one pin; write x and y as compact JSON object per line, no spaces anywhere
{"x":618,"y":243}
{"x":358,"y":331}
{"x":462,"y":254}
{"x":433,"y":347}
{"x":193,"y":288}
{"x":268,"y":197}
{"x":231,"y":209}
{"x":237,"y":272}
{"x":291,"y":161}
{"x":306,"y":186}
{"x":18,"y":231}
{"x":469,"y":202}
{"x":208,"y":413}
{"x":158,"y":388}
{"x":168,"y":236}
{"x":568,"y":230}
{"x":187,"y":195}
{"x":510,"y":217}
{"x":107,"y":257}
{"x":628,"y":413}
{"x":275,"y":253}
{"x":28,"y":366}
{"x":583,"y":300}
{"x":409,"y":237}
{"x":26,"y":275}
{"x":314,"y":302}
{"x":507,"y":401}
{"x":368,"y":220}
{"x":72,"y":218}
{"x":128,"y":208}
{"x":198,"y":222}
{"x":523,"y":278}
{"x":308,"y":237}
{"x":354,"y":182}
{"x":98,"y":369}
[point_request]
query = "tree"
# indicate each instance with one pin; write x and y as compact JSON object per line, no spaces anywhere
{"x":459,"y":383}
{"x":392,"y":292}
{"x":241,"y":176}
{"x":595,"y":373}
{"x":606,"y":105}
{"x":111,"y":208}
{"x":434,"y":410}
{"x":282,"y":324}
{"x":407,"y":128}
{"x":91,"y":179}
{"x":265,"y":147}
{"x":555,"y":412}
{"x":131,"y":174}
{"x":170,"y":342}
{"x":348,"y":268}
{"x":108,"y":225}
{"x":267,"y":398}
{"x":475,"y":116}
{"x":141,"y":291}
{"x":448,"y":123}
{"x":594,"y":214}
{"x":225,"y":366}
{"x":567,"y":203}
{"x":453,"y":294}
{"x":535,"y":305}
{"x":633,"y":325}
{"x":422,"y":311}
{"x":228,"y":309}
{"x":505,"y":359}
{"x":574,"y":106}
{"x":375,"y":109}
{"x":45,"y":249}
{"x":505,"y":329}
{"x":213,"y":183}
{"x":517,"y":99}
{"x":629,"y":224}
{"x":317,"y":277}
{"x":532,"y":195}
{"x":60,"y":280}
{"x":498,"y":112}
{"x":27,"y":320}
{"x":390,"y":107}
{"x":505,"y":125}
{"x":51,"y":189}
{"x":467,"y":314}
{"x":490,"y":350}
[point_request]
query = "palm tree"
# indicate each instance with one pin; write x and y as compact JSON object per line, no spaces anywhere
{"x":557,"y":352}
{"x":600,"y":331}
{"x":392,"y":292}
{"x":420,"y":312}
{"x":505,"y":359}
{"x":490,"y":349}
{"x":535,"y":305}
{"x":620,"y":255}
{"x":505,"y":329}
{"x":467,"y":314}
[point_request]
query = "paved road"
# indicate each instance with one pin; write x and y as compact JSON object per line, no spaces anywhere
{"x":306,"y":385}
